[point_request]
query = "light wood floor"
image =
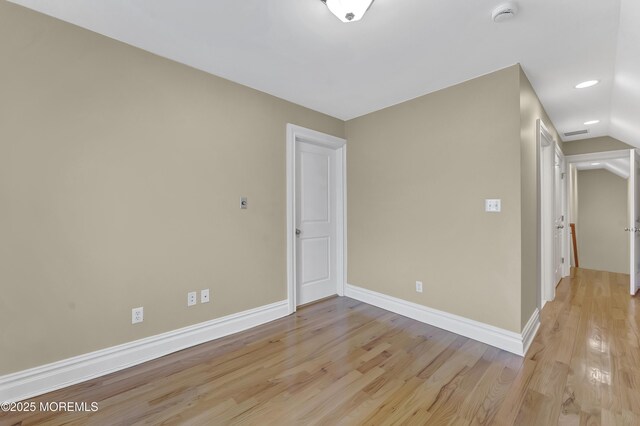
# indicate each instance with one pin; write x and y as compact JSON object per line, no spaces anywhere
{"x":344,"y":362}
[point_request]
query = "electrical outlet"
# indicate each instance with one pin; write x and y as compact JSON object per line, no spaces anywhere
{"x":419,"y":286}
{"x":137,"y":315}
{"x":192,"y":298}
{"x":204,"y":296}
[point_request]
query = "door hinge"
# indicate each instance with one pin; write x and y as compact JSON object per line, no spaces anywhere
{"x":563,"y":260}
{"x":562,"y":175}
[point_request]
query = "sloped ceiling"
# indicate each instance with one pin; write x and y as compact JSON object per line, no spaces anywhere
{"x":625,"y":108}
{"x":402,"y":49}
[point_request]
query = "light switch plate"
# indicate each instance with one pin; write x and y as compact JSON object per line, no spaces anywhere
{"x":492,"y":205}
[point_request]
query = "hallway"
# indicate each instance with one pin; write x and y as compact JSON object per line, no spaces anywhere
{"x":584,"y":365}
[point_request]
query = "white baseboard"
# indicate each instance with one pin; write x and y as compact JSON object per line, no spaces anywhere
{"x":500,"y":338}
{"x":530,"y":330}
{"x":39,"y":380}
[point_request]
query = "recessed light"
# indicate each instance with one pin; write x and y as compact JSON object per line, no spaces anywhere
{"x":595,"y":164}
{"x":586,"y":84}
{"x":587,"y":123}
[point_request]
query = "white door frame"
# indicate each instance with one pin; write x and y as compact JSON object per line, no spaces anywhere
{"x":547,"y":147}
{"x":602,"y":157}
{"x":300,"y":134}
{"x":632,"y":217}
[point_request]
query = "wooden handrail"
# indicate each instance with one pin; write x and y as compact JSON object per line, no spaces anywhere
{"x":575,"y":244}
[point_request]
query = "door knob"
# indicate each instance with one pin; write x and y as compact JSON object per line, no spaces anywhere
{"x":560,"y":227}
{"x":298,"y":232}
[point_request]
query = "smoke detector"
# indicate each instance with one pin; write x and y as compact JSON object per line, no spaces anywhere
{"x":504,"y":12}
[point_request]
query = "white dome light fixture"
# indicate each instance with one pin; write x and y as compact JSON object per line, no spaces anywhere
{"x":590,"y":122}
{"x":348,"y":10}
{"x":586,"y":84}
{"x":504,"y":12}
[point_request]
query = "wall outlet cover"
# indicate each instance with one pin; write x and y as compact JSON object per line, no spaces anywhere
{"x":192,"y":298}
{"x":204,"y":296}
{"x":137,"y":315}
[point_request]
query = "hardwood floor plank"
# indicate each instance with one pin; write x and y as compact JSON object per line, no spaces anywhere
{"x":512,"y":404}
{"x":482,"y":402}
{"x":340,"y":361}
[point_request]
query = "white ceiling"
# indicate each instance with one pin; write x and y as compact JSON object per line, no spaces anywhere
{"x":402,"y":49}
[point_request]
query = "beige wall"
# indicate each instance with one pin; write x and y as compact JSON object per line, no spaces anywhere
{"x":586,"y":146}
{"x":602,"y":207}
{"x":530,"y":111}
{"x":418,"y":174}
{"x":121,"y":174}
{"x":120,"y":179}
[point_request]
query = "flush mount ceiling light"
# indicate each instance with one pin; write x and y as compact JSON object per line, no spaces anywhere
{"x":504,"y":12}
{"x":348,"y":10}
{"x":595,"y":164}
{"x":586,"y":84}
{"x":587,"y":123}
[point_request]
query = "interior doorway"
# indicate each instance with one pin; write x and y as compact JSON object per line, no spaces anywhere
{"x":316,"y":215}
{"x":634,"y":221}
{"x":552,"y":228}
{"x":624,"y":164}
{"x":559,"y":216}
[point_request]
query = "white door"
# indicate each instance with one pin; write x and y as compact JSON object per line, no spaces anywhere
{"x":547,"y":153}
{"x":315,"y":222}
{"x":634,"y":220}
{"x":558,"y":219}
